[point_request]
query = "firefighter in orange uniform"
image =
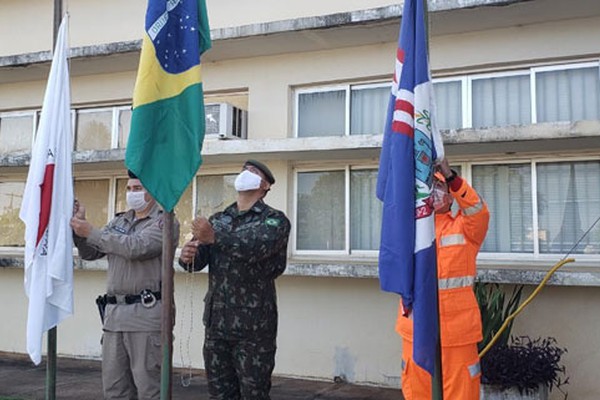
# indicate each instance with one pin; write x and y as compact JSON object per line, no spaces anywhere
{"x":458,"y":240}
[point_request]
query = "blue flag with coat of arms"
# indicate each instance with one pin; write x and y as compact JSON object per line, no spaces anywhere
{"x":411,"y":145}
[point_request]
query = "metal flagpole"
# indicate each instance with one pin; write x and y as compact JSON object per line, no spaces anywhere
{"x":437,"y":392}
{"x":52,"y":333}
{"x":166,"y":384}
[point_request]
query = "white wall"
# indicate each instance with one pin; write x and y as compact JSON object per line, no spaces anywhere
{"x":328,"y":326}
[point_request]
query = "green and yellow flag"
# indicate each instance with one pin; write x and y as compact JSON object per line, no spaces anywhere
{"x":167,"y":125}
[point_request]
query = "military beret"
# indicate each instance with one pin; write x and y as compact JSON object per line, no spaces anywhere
{"x":131,"y":174}
{"x":262,"y":168}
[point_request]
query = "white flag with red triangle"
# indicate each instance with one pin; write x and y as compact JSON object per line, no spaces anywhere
{"x":48,"y":206}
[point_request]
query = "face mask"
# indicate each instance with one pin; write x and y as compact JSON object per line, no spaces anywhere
{"x":136,"y":200}
{"x":247,"y":180}
{"x":440,"y":198}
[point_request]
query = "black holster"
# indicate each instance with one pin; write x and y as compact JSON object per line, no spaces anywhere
{"x":101,"y":303}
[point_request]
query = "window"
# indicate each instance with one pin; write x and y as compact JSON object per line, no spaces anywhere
{"x":214,"y":193}
{"x":342,"y":110}
{"x":337,"y":210}
{"x":16,"y":132}
{"x":507,"y":192}
{"x":501,"y":101}
{"x":541,"y":207}
{"x":541,"y":94}
{"x":568,"y":204}
{"x":94,"y":195}
{"x":568,"y":95}
{"x":124,"y":118}
{"x":93,"y":130}
{"x":449,"y":101}
{"x":13,"y":229}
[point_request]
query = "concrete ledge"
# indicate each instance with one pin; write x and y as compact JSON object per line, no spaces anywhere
{"x":343,"y":19}
{"x":587,"y":275}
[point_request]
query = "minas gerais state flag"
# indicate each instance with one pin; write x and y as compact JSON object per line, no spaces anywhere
{"x":411,"y":144}
{"x":167,"y":126}
{"x":48,"y":206}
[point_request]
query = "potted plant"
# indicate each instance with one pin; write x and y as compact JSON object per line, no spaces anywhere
{"x":515,"y":367}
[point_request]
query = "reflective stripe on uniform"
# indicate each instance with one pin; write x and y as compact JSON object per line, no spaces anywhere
{"x":458,"y":282}
{"x":451,"y":240}
{"x":473,"y":209}
{"x":475,"y":369}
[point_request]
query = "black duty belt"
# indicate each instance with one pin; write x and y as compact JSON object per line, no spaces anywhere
{"x":147,"y":297}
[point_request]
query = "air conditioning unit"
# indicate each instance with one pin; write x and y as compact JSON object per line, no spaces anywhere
{"x":225,"y":121}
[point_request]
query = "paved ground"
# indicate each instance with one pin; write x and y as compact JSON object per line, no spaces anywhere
{"x":80,"y":380}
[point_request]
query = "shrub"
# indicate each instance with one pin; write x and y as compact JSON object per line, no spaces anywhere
{"x":525,"y":363}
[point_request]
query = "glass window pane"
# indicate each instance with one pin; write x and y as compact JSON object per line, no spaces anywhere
{"x":183,"y":212}
{"x":368,"y":108}
{"x":15,"y":133}
{"x":215,"y":193}
{"x":568,"y":204}
{"x":568,"y":95}
{"x":448,"y":96}
{"x":501,"y":101}
{"x":365,"y":211}
{"x":120,"y":202}
{"x":13,"y":229}
{"x":322,"y":114}
{"x":124,"y":126}
{"x":93,"y":194}
{"x":94,"y":130}
{"x":507,"y":191}
{"x":321,"y":211}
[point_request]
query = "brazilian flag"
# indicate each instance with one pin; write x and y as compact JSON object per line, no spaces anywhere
{"x":167,"y":125}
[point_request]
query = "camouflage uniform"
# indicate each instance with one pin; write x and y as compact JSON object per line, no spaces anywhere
{"x":131,"y":344}
{"x":240,"y":314}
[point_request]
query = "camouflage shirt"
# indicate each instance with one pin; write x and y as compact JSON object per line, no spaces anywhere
{"x":249,"y":252}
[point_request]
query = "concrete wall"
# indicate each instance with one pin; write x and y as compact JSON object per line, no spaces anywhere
{"x":328,"y":326}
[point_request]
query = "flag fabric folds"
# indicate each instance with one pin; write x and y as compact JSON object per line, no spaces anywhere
{"x":48,"y":206}
{"x":167,"y":125}
{"x":411,"y":144}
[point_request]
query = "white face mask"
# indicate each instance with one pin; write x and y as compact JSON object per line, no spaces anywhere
{"x":136,"y":200}
{"x":247,"y":180}
{"x":441,"y":199}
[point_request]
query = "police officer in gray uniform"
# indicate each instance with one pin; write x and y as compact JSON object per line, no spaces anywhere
{"x":245,"y":247}
{"x":132,"y":242}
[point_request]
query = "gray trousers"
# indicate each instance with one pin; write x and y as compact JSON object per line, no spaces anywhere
{"x":131,"y":364}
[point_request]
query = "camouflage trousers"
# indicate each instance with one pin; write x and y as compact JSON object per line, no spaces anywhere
{"x":239,"y":369}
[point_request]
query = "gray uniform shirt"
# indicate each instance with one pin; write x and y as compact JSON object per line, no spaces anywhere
{"x":134,"y":249}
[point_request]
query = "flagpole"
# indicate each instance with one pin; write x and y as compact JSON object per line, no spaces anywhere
{"x":437,"y":392}
{"x":52,"y":332}
{"x":168,"y":255}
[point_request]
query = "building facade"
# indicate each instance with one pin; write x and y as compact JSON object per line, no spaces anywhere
{"x":303,"y":86}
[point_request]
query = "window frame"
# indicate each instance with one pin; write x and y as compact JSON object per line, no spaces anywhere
{"x":467,"y":84}
{"x":347,"y":252}
{"x":35,"y":119}
{"x":347,"y":88}
{"x":533,"y":162}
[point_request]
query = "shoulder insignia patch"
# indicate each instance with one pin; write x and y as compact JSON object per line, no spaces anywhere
{"x":272,"y":222}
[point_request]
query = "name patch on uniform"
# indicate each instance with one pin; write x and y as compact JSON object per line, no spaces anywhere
{"x":272,"y":222}
{"x":120,"y":229}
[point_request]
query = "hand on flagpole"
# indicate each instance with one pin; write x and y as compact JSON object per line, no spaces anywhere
{"x":188,"y":252}
{"x":79,"y":224}
{"x":444,"y":167}
{"x":78,"y":210}
{"x":203,"y":231}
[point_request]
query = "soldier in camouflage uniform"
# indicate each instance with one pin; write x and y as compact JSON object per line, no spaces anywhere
{"x":131,"y":341}
{"x":245,"y":247}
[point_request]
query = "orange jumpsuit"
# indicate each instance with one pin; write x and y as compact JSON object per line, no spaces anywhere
{"x":458,"y":241}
